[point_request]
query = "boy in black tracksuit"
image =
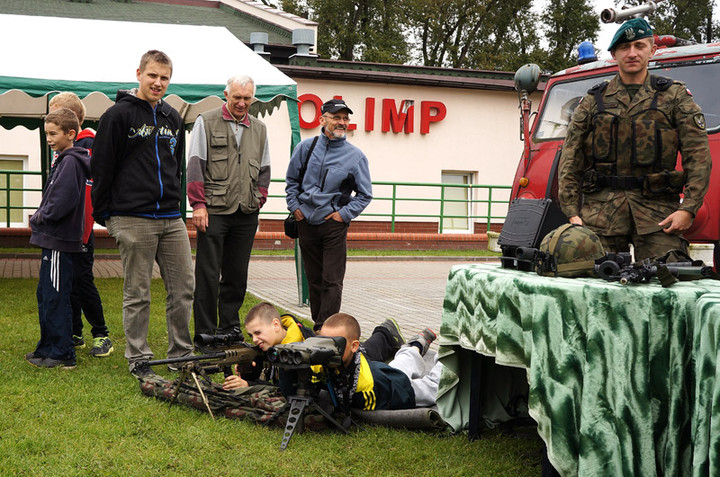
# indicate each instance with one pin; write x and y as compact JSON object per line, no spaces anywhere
{"x":369,"y":385}
{"x":57,"y":227}
{"x":85,"y":298}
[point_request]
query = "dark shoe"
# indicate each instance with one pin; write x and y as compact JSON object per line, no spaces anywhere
{"x":142,"y":369}
{"x":205,"y":349}
{"x":78,"y":341}
{"x":102,"y":346}
{"x":423,"y":340}
{"x":393,"y":332}
{"x":32,"y":355}
{"x":39,"y":362}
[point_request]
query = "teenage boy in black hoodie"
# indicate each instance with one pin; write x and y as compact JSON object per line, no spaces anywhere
{"x":137,"y":161}
{"x":57,"y":227}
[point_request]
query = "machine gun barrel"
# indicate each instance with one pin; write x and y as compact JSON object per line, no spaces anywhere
{"x":610,"y":15}
{"x":237,"y":355}
{"x":681,"y":269}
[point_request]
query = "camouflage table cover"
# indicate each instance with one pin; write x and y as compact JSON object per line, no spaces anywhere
{"x":611,"y":368}
{"x":706,"y":412}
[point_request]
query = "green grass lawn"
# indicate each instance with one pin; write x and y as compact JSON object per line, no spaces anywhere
{"x":94,"y":420}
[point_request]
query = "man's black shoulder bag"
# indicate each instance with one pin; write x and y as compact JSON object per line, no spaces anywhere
{"x":291,"y":226}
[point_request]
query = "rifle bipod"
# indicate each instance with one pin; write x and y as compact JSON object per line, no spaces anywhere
{"x":192,"y":370}
{"x":296,"y":417}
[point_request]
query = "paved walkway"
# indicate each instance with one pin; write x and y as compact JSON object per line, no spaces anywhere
{"x":411,"y":291}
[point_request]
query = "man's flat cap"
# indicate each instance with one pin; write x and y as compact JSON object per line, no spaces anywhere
{"x":335,"y":105}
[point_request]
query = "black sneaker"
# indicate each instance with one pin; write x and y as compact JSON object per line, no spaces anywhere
{"x":142,"y":369}
{"x":393,"y":332}
{"x":102,"y":346}
{"x":32,"y":355}
{"x":78,"y":341}
{"x":40,"y":362}
{"x":423,"y":340}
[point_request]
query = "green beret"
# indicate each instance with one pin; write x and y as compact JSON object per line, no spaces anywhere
{"x":631,"y":30}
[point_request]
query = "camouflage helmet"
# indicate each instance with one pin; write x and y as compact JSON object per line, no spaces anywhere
{"x":571,"y":251}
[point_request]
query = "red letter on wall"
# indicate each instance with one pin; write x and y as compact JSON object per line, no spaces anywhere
{"x":318,"y":104}
{"x":426,"y":116}
{"x":369,"y":114}
{"x":395,"y":118}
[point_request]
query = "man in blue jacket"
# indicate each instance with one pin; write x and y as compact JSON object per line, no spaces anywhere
{"x":136,"y":167}
{"x":325,"y":191}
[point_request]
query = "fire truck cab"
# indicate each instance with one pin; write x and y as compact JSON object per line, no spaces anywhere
{"x":698,"y":66}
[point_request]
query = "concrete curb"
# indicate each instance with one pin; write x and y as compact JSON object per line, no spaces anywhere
{"x":357,"y":258}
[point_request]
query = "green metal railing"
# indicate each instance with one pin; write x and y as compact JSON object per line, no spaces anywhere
{"x":5,"y":188}
{"x":489,"y":197}
{"x":392,"y":200}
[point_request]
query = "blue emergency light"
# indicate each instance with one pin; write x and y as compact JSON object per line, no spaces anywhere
{"x":586,"y":53}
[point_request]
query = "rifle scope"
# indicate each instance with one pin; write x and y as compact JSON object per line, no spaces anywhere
{"x":232,"y":338}
{"x":526,"y":253}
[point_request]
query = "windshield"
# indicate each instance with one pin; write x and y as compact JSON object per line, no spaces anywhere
{"x":564,"y":97}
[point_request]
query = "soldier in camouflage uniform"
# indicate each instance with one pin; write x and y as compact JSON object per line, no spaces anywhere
{"x":617,"y":170}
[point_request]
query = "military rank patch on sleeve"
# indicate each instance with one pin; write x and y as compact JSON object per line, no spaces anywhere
{"x":699,"y":120}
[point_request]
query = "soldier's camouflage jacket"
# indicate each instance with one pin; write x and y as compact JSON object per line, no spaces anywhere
{"x":618,"y":160}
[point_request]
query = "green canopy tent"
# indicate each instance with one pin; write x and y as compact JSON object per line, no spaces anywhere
{"x":38,"y":59}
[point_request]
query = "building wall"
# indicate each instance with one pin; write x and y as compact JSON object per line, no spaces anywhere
{"x":479,"y":134}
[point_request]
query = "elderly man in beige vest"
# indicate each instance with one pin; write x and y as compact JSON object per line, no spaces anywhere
{"x":228,"y":175}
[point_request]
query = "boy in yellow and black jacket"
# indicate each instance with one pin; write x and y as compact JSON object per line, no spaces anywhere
{"x":365,"y":384}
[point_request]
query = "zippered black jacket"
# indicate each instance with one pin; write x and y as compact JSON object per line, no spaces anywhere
{"x":137,"y":160}
{"x":58,"y":222}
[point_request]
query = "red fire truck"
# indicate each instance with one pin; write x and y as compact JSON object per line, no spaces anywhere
{"x":697,"y":65}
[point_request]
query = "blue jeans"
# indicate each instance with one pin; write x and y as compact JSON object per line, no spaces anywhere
{"x":142,"y":242}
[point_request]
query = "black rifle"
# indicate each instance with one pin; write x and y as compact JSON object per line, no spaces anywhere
{"x":618,"y":267}
{"x":300,"y":357}
{"x":204,"y":365}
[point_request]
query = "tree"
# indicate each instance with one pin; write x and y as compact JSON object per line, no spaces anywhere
{"x":567,"y":23}
{"x":480,"y":34}
{"x":470,"y":33}
{"x":365,"y":30}
{"x":492,"y":34}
